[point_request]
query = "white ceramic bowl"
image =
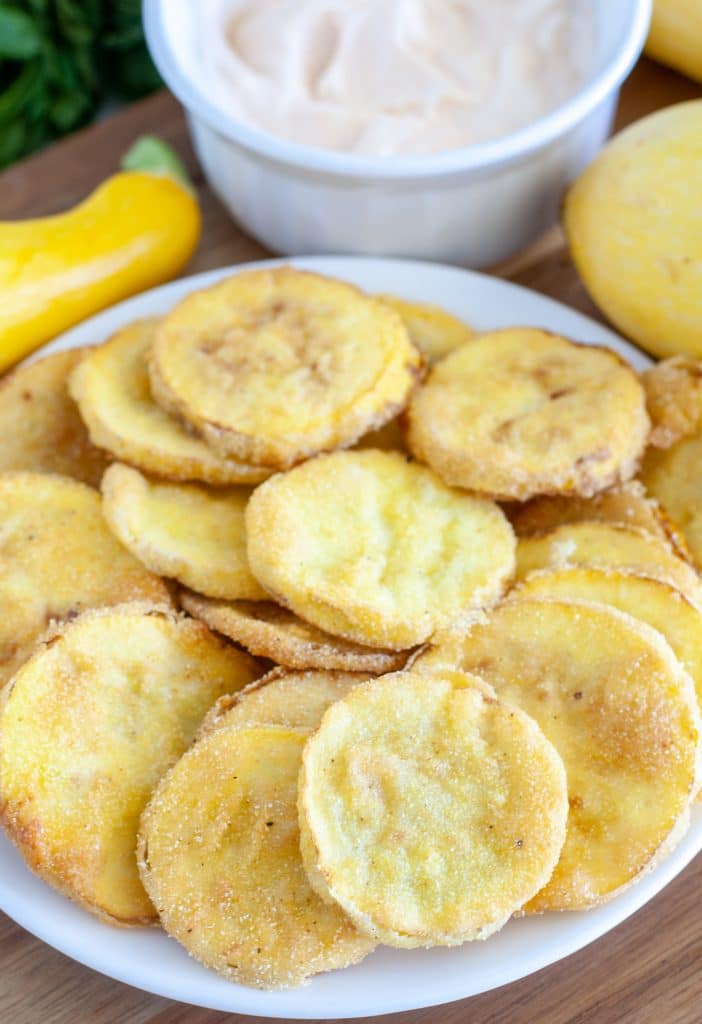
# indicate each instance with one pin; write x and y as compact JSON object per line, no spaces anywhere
{"x":474,"y":205}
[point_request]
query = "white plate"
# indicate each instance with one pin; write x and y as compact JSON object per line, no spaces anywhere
{"x":388,"y":980}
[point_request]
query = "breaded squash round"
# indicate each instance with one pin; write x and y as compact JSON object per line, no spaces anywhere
{"x":608,"y":545}
{"x":674,"y":477}
{"x":622,"y":713}
{"x":268,"y":630}
{"x":632,"y":224}
{"x":58,"y":557}
{"x":430,"y":811}
{"x":189,"y":532}
{"x":88,"y":726}
{"x":371,"y":547}
{"x":219,"y":853}
{"x":40,"y":426}
{"x":272,"y":366}
{"x":294,"y":700}
{"x":433,"y":330}
{"x":626,"y":505}
{"x":651,"y":600}
{"x":674,"y":399}
{"x":113,"y":394}
{"x":521,"y":412}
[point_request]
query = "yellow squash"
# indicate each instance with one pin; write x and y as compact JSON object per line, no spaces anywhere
{"x":676,"y":35}
{"x":634,"y":225}
{"x":134,"y":231}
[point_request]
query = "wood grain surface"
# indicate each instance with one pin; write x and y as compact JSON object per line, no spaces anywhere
{"x":647,"y":970}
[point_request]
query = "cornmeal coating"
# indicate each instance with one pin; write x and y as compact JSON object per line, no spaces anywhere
{"x":612,"y":546}
{"x":432,"y":329}
{"x":113,"y":394}
{"x":88,"y":726}
{"x":273,"y":366}
{"x":651,"y":600}
{"x":219,"y":853}
{"x":430,"y":810}
{"x":622,"y":713}
{"x":268,"y":630}
{"x":376,"y":549}
{"x":57,"y":558}
{"x":520,"y":412}
{"x":189,"y":532}
{"x":674,"y":399}
{"x":625,"y":505}
{"x":294,"y":700}
{"x":674,"y":478}
{"x":40,"y":426}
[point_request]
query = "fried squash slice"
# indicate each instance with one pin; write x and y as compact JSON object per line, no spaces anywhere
{"x":219,"y":853}
{"x":40,"y":426}
{"x":272,"y":366}
{"x":520,"y":412}
{"x":268,"y":630}
{"x":113,"y":394}
{"x":626,"y":505}
{"x":674,"y":477}
{"x":293,"y":700}
{"x":88,"y":726}
{"x":189,"y":532}
{"x":622,"y":713}
{"x":432,"y":329}
{"x":375,"y":549}
{"x":660,"y":605}
{"x":57,"y":558}
{"x":430,"y":810}
{"x":674,"y":399}
{"x":608,"y":545}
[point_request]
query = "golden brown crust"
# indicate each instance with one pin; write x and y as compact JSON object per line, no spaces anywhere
{"x":188,"y":532}
{"x":219,"y":854}
{"x":653,"y":601}
{"x":87,"y":727}
{"x":112,"y":390}
{"x":609,"y":545}
{"x":520,"y":412}
{"x":268,"y":630}
{"x":371,"y":547}
{"x":627,"y":505}
{"x":58,"y":558}
{"x":622,"y":712}
{"x":40,"y":426}
{"x":674,"y":399}
{"x":312,"y":363}
{"x":673,"y":477}
{"x":432,"y":329}
{"x":430,"y":810}
{"x":293,"y":700}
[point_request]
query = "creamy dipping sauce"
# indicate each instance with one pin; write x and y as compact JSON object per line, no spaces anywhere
{"x":387,"y":77}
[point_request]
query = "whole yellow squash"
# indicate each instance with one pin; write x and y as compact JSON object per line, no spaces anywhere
{"x":676,"y":35}
{"x":634,"y":224}
{"x":134,"y":231}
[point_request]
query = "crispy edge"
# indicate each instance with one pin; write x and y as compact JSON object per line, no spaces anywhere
{"x":280,"y":454}
{"x":211,"y":469}
{"x":270,"y":640}
{"x":448,"y":463}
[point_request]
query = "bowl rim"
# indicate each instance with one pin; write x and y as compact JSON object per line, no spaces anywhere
{"x":477,"y":156}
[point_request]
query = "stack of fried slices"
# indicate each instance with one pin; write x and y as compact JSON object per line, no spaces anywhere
{"x":370,"y":635}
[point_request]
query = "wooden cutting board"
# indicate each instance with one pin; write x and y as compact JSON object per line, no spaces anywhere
{"x":645,"y":972}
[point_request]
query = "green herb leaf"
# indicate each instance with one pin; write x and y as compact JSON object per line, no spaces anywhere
{"x":20,"y":38}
